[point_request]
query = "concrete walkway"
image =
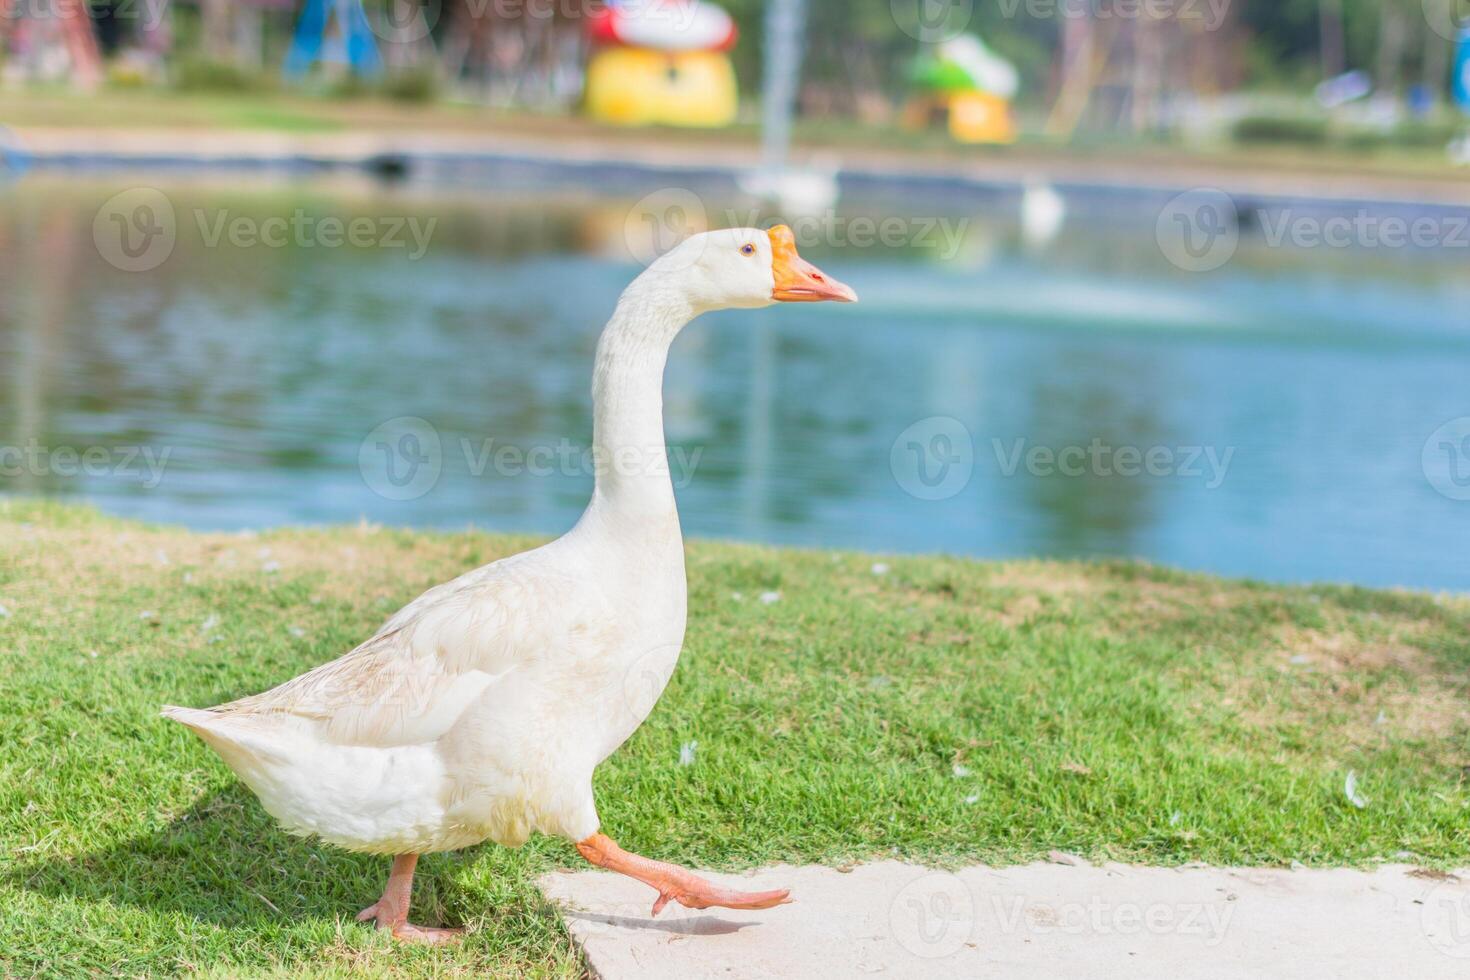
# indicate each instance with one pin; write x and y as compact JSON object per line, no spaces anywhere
{"x":1036,"y":921}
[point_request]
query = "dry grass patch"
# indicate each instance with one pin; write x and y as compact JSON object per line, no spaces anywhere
{"x":1372,"y":680}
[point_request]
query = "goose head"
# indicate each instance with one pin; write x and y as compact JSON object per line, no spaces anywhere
{"x":747,"y":268}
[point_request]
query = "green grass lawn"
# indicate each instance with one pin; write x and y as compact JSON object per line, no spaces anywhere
{"x":942,"y":711}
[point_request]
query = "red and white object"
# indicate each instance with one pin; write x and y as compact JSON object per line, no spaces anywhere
{"x":666,"y":25}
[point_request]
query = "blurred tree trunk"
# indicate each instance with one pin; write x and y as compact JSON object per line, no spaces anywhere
{"x":156,"y":32}
{"x":408,"y":44}
{"x":1334,"y":44}
{"x":1148,"y":61}
{"x":218,"y":43}
{"x":1393,"y":35}
{"x":1076,"y":75}
{"x":249,"y":36}
{"x":1436,"y":61}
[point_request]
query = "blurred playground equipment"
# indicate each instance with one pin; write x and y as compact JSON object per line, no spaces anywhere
{"x":1198,"y":74}
{"x":1462,"y":70}
{"x":969,"y":88}
{"x":334,"y":33}
{"x":663,"y":62}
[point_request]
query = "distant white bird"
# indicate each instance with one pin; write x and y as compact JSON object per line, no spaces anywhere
{"x":482,"y":708}
{"x":803,"y":192}
{"x":1043,"y":213}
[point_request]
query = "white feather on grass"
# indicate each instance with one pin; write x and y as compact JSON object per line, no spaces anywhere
{"x":1350,"y":788}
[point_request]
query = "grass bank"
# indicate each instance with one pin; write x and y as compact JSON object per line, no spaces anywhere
{"x":876,"y":145}
{"x":939,"y":709}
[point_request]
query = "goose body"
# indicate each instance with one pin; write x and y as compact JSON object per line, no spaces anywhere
{"x":477,"y":712}
{"x":480,"y":710}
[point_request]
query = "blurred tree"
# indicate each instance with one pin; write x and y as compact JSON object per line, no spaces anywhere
{"x":1435,"y":60}
{"x":215,"y":18}
{"x":1134,"y":70}
{"x":526,"y":52}
{"x":1332,"y":44}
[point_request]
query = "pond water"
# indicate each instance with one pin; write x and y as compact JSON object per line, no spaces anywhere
{"x":1291,"y":415}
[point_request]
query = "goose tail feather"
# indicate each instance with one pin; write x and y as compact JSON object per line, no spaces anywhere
{"x":232,"y":736}
{"x":195,"y":718}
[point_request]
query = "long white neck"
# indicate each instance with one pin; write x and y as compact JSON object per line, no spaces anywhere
{"x":633,"y":482}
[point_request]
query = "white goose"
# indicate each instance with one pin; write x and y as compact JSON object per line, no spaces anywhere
{"x":480,"y":710}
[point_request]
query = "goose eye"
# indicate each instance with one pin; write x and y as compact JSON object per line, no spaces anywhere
{"x":747,"y":250}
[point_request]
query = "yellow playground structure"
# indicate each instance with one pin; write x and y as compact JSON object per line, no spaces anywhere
{"x":654,"y":68}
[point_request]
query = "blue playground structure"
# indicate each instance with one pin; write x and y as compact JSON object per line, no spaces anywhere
{"x":352,"y":44}
{"x":1462,"y":70}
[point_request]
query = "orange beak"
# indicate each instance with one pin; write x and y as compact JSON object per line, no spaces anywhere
{"x":797,"y":280}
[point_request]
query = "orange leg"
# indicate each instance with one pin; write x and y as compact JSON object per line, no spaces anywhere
{"x":391,"y":911}
{"x":673,"y":882}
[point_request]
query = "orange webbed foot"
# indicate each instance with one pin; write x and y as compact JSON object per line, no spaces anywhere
{"x":673,"y":883}
{"x":697,"y":893}
{"x":390,"y":912}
